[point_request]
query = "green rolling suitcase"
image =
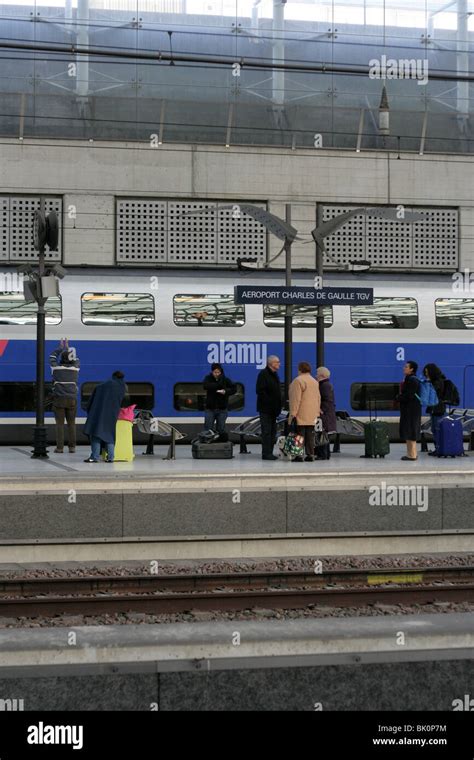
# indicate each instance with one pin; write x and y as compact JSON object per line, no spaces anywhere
{"x":377,"y":441}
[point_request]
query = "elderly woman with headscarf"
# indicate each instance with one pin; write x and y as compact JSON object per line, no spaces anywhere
{"x":328,"y":409}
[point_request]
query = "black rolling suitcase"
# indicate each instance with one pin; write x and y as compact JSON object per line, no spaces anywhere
{"x":212,"y":450}
{"x":376,"y":436}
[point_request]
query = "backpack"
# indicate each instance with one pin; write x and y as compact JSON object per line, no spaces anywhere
{"x":428,"y":395}
{"x":451,"y":393}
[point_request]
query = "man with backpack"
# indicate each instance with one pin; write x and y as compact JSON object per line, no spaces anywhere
{"x":446,"y":394}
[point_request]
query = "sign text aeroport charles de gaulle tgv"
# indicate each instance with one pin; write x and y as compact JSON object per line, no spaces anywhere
{"x":303,"y":296}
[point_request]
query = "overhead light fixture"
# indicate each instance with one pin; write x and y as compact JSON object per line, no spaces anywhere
{"x":359,"y":265}
{"x":25,"y":269}
{"x":58,"y":271}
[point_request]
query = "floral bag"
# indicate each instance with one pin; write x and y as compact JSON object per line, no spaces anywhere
{"x":294,"y":444}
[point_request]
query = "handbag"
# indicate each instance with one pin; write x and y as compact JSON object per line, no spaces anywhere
{"x":127,"y":413}
{"x":321,"y":438}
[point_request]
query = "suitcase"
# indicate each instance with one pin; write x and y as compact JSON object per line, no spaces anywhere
{"x":376,"y":437}
{"x":212,"y":450}
{"x":450,"y":438}
{"x":123,"y":442}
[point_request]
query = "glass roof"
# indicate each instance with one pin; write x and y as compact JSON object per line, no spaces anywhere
{"x":251,"y":72}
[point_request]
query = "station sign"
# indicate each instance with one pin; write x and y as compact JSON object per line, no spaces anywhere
{"x":302,"y":296}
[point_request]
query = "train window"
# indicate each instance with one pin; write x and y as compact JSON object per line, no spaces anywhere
{"x":454,"y":313}
{"x":110,"y":309}
{"x":375,"y":396}
{"x":387,"y":314}
{"x":14,"y":310}
{"x":303,"y":316}
{"x":191,"y":397}
{"x":20,"y":396}
{"x":207,"y":311}
{"x":141,"y":394}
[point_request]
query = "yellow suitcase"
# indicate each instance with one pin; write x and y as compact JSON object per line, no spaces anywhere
{"x":124,"y":442}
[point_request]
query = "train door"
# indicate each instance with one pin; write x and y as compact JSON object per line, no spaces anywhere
{"x":468,"y":392}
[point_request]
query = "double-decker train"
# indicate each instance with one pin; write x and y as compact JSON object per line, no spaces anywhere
{"x":163,"y":328}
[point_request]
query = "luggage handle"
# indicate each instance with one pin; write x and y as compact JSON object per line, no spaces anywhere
{"x":370,"y":411}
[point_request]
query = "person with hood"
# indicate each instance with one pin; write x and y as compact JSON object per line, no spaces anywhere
{"x":102,"y":413}
{"x":269,"y":404}
{"x":328,"y":408}
{"x":218,"y":388}
{"x":433,"y":373}
{"x":305,"y":407}
{"x":65,"y":370}
{"x":410,"y":410}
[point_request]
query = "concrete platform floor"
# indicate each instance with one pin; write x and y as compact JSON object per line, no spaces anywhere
{"x":16,"y":464}
{"x":212,"y":645}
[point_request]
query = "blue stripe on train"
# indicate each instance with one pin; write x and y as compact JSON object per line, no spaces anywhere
{"x":165,"y":363}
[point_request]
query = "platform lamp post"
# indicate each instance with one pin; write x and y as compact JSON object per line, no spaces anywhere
{"x":40,"y":286}
{"x":399,"y":214}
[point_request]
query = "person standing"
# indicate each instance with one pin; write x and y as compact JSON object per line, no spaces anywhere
{"x":410,"y":410}
{"x":218,"y":388}
{"x":102,"y":413}
{"x":305,"y":407}
{"x":433,"y":373}
{"x":269,"y":404}
{"x":65,"y":371}
{"x":328,"y":408}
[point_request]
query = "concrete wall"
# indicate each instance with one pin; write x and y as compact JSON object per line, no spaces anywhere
{"x":385,"y":686}
{"x":89,"y":175}
{"x":313,"y":510}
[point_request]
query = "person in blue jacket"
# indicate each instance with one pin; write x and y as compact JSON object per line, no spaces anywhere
{"x":102,"y":412}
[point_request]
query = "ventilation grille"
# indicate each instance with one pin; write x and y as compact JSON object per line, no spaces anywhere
{"x":435,"y":247}
{"x":141,"y":231}
{"x":387,"y":244}
{"x":186,"y":232}
{"x":16,"y":228}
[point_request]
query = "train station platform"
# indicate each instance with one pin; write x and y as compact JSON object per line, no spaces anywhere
{"x":184,"y":504}
{"x":332,"y":663}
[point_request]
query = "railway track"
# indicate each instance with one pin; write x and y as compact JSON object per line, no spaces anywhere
{"x":160,"y":594}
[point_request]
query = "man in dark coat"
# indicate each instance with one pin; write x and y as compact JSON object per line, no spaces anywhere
{"x":269,"y":404}
{"x":218,"y":388}
{"x":102,"y":412}
{"x":328,"y":410}
{"x":410,"y":410}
